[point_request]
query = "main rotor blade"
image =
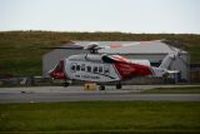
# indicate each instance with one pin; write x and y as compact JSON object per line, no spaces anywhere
{"x":115,"y":46}
{"x":66,"y":47}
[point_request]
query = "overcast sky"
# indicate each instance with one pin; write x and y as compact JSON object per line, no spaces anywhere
{"x":135,"y":16}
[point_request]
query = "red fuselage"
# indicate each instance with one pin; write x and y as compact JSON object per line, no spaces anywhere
{"x":130,"y":70}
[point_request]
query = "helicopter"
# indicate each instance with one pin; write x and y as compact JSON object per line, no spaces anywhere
{"x":103,"y":68}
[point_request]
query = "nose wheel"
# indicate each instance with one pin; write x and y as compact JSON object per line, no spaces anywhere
{"x":66,"y":84}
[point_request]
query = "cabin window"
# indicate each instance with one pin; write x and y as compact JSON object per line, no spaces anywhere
{"x":100,"y":69}
{"x":95,"y":69}
{"x":89,"y":68}
{"x":106,"y":69}
{"x":83,"y":67}
{"x":78,"y":68}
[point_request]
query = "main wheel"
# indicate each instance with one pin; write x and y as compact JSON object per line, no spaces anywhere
{"x":119,"y":86}
{"x":101,"y":87}
{"x":66,"y":84}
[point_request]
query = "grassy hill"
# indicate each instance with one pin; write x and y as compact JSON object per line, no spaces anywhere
{"x":21,"y":53}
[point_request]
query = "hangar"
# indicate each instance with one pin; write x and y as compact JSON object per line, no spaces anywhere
{"x":154,"y":51}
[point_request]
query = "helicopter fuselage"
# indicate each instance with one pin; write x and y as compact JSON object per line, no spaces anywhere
{"x":99,"y":68}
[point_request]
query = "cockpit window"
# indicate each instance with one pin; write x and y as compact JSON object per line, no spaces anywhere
{"x":73,"y":67}
{"x":60,"y":65}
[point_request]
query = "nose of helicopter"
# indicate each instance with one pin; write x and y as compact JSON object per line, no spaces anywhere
{"x":59,"y":71}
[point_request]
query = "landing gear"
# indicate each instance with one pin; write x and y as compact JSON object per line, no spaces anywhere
{"x":119,"y":86}
{"x":101,"y":87}
{"x":67,"y":83}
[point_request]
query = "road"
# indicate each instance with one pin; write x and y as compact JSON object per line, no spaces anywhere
{"x":76,"y":93}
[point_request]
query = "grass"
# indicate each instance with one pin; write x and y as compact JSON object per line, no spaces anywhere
{"x":100,"y":117}
{"x":191,"y":90}
{"x":21,"y":53}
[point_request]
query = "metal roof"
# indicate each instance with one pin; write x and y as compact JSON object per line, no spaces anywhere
{"x":142,"y":47}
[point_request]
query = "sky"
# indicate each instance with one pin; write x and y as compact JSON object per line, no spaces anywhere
{"x":131,"y":16}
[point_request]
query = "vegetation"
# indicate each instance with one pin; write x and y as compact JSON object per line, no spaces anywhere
{"x":99,"y":117}
{"x":21,"y":53}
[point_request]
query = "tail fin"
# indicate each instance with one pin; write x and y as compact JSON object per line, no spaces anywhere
{"x":167,"y":61}
{"x":164,"y":66}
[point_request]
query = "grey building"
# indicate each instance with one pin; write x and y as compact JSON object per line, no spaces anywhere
{"x":154,"y":51}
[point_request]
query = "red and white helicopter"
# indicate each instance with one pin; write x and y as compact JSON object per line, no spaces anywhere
{"x":102,"y":68}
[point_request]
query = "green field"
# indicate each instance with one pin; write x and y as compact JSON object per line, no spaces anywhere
{"x":101,"y":117}
{"x":21,"y":53}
